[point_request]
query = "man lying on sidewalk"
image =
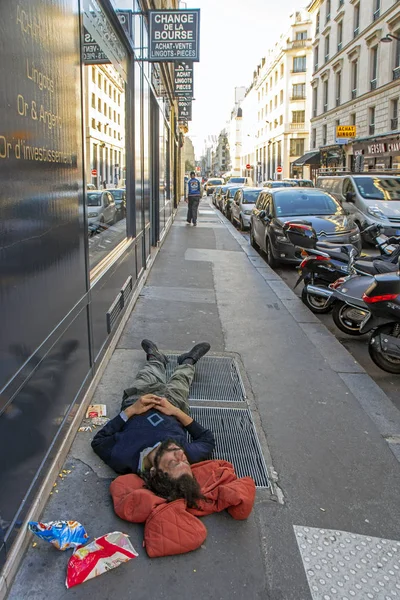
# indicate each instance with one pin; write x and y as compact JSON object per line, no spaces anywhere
{"x":153,"y":411}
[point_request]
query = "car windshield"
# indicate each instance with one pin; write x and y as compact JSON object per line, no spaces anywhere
{"x":302,"y":204}
{"x":232,"y":190}
{"x":215,"y":181}
{"x":118,"y":194}
{"x":250,"y":197}
{"x":237,"y":180}
{"x":93,"y":199}
{"x":277,"y":184}
{"x":305,"y":183}
{"x":379,"y":188}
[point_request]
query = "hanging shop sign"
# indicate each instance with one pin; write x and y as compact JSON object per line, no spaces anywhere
{"x":346,"y":131}
{"x":174,"y":35}
{"x":183,"y":79}
{"x":125,"y":18}
{"x":92,"y":54}
{"x":184,"y":108}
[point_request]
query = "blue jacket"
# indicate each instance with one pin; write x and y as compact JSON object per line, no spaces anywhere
{"x":194,"y":187}
{"x":120,"y":443}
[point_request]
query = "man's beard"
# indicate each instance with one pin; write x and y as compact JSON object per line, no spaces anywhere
{"x":163,"y":485}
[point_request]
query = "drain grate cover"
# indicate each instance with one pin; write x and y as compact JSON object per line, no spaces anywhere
{"x":217,"y":379}
{"x":236,"y":440}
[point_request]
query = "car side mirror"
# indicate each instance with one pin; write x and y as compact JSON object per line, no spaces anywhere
{"x":350,"y":197}
{"x":262,"y":214}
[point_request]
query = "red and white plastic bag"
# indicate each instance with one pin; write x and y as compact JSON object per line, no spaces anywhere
{"x":103,"y":554}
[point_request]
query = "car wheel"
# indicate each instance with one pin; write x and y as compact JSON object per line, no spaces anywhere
{"x":252,"y":239}
{"x":242,"y":227}
{"x":271,"y":260}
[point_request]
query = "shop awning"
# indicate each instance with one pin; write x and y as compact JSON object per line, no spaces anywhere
{"x":309,"y":158}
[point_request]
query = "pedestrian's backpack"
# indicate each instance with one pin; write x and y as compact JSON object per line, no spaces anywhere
{"x":194,"y":187}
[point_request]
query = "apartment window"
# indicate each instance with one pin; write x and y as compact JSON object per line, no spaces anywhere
{"x":341,"y":2}
{"x":99,"y":104}
{"x":314,"y":138}
{"x":396,"y":70}
{"x":374,"y":67}
{"x":115,"y":117}
{"x":282,"y":70}
{"x":301,"y":35}
{"x":354,"y":78}
{"x":115,"y":96}
{"x":299,"y":91}
{"x":328,"y":11}
{"x":377,"y":9}
{"x":105,"y":85}
{"x":99,"y":80}
{"x":266,"y":87}
{"x":337,"y":123}
{"x":315,"y":101}
{"x":299,"y":116}
{"x":371,"y":120}
{"x":276,"y":101}
{"x":93,"y":101}
{"x":281,"y":97}
{"x":317,"y":22}
{"x":109,"y":91}
{"x":394,"y":112}
{"x":281,"y":120}
{"x":339,"y":35}
{"x":356,"y":20}
{"x":270,"y":106}
{"x":105,"y":108}
{"x":326,"y":96}
{"x":353,"y":119}
{"x":338,"y":87}
{"x":316,"y":52}
{"x":324,"y":134}
{"x":119,"y":99}
{"x":299,"y":64}
{"x":93,"y":74}
{"x":270,"y":82}
{"x":296,"y":147}
{"x":93,"y":123}
{"x":327,"y":48}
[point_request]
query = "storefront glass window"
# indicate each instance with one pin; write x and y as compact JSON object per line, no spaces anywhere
{"x":105,"y":145}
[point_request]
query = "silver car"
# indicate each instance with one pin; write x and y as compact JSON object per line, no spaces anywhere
{"x":242,"y":206}
{"x":100,"y":207}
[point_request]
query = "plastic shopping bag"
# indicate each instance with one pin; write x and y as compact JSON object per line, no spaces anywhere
{"x":103,"y":554}
{"x":62,"y":534}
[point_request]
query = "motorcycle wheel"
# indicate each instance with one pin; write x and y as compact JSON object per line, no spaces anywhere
{"x":316,"y":304}
{"x":383,"y":361}
{"x":347,"y":318}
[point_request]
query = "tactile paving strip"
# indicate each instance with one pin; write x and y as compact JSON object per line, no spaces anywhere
{"x":236,"y":440}
{"x":217,"y":379}
{"x":348,"y":566}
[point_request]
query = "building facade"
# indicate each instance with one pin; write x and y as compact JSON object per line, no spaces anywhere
{"x":281,"y":84}
{"x":356,"y":82}
{"x":81,"y":105}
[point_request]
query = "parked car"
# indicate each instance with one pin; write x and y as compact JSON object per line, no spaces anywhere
{"x":299,"y":182}
{"x":90,"y":186}
{"x":210,"y":184}
{"x":119,"y":196}
{"x":242,"y":180}
{"x":275,"y":207}
{"x":100,"y":206}
{"x":277,"y":184}
{"x":227,"y":200}
{"x":370,"y":199}
{"x":219,"y":199}
{"x":243,"y":204}
{"x":215,"y":194}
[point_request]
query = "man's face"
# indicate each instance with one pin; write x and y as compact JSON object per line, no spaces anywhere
{"x":174,"y":462}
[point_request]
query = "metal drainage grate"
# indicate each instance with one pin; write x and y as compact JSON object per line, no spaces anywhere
{"x":217,"y":379}
{"x":236,"y":440}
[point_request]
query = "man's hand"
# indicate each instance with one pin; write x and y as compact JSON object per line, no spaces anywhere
{"x":145,"y":403}
{"x":166,"y":408}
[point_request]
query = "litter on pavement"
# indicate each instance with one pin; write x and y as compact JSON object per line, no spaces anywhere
{"x":62,"y":534}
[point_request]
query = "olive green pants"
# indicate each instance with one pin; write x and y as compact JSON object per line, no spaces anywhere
{"x":152,"y":379}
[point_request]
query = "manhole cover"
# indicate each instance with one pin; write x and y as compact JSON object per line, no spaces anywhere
{"x":217,"y":378}
{"x":236,"y":440}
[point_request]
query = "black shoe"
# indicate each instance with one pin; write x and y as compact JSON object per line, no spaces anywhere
{"x":194,"y":224}
{"x":188,"y":221}
{"x":153,"y":352}
{"x":194,"y":354}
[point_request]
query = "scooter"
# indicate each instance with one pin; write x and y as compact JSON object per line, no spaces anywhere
{"x":323,"y":262}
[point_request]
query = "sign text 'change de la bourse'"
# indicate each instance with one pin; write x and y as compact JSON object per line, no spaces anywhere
{"x":174,"y":35}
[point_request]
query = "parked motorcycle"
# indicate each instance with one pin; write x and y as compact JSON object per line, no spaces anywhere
{"x":324,"y":262}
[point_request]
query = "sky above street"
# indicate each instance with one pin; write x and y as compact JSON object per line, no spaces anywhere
{"x":235,"y":35}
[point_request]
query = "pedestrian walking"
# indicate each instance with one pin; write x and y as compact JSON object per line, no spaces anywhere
{"x":193,"y":198}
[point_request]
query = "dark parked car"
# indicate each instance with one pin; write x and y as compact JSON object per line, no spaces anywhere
{"x":119,"y":196}
{"x":276,"y":184}
{"x":227,"y":200}
{"x":215,"y":194}
{"x":219,"y":199}
{"x":274,"y":208}
{"x":300,"y":182}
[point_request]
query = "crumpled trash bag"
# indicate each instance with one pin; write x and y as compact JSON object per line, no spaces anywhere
{"x":62,"y":534}
{"x":103,"y":554}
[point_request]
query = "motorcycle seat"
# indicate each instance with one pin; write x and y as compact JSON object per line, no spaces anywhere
{"x":334,"y":251}
{"x":375,"y":266}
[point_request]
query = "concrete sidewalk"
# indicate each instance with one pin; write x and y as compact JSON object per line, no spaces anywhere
{"x":328,"y":433}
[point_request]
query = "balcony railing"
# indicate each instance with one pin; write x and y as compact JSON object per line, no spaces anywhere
{"x":339,"y":46}
{"x":298,"y":97}
{"x":372,"y":129}
{"x":356,"y":31}
{"x":394,"y":123}
{"x":377,"y":14}
{"x":297,"y":126}
{"x":299,"y":43}
{"x":396,"y":73}
{"x":373,"y":84}
{"x":337,"y":101}
{"x":299,"y":70}
{"x":353,"y":94}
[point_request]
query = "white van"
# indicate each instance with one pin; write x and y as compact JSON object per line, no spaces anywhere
{"x":370,"y":199}
{"x":240,"y":180}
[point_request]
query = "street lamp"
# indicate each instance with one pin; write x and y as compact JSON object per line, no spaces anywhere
{"x":389,"y":38}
